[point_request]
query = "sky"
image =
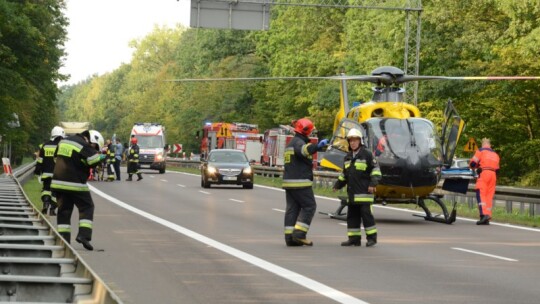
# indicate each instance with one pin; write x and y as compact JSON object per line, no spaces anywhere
{"x":100,"y":30}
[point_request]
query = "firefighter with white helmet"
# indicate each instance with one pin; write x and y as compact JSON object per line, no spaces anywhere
{"x":361,"y":174}
{"x":298,"y":181}
{"x":75,"y":155}
{"x":45,"y":167}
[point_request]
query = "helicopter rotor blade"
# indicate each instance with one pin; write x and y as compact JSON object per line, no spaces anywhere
{"x":368,"y":78}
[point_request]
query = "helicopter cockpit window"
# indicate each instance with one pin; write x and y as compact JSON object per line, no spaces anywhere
{"x":339,"y":140}
{"x":404,"y":138}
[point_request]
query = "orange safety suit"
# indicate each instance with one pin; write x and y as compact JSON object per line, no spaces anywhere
{"x":487,"y":161}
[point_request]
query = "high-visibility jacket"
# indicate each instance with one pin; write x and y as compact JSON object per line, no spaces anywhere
{"x":45,"y":159}
{"x":360,"y":172}
{"x":299,"y":163}
{"x":485,"y":159}
{"x":133,"y":154}
{"x":74,"y":157}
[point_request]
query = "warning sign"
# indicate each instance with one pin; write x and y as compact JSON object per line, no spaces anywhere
{"x":471,"y":145}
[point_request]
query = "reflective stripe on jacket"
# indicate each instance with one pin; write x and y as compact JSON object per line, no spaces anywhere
{"x":359,"y":173}
{"x":74,"y":157}
{"x":299,"y":163}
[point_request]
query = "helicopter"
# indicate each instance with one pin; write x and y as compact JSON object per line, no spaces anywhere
{"x":412,"y":157}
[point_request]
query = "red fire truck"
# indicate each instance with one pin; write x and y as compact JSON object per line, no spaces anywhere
{"x":274,"y":142}
{"x":239,"y":136}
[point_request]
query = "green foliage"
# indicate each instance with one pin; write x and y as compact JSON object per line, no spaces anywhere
{"x":31,"y":38}
{"x":459,"y":38}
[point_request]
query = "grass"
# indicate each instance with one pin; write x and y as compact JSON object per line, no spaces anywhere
{"x":32,"y":188}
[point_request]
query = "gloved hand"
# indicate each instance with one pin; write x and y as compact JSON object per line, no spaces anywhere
{"x":323,"y":143}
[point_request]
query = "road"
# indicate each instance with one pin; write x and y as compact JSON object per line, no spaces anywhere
{"x":167,"y":240}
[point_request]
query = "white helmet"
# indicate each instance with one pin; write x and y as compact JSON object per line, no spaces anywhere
{"x":57,"y":131}
{"x":96,"y":138}
{"x":356,"y":133}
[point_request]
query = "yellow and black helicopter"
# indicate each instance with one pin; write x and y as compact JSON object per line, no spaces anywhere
{"x":410,"y":153}
{"x":412,"y":156}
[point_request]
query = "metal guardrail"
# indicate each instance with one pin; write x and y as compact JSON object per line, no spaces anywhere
{"x":526,"y":199}
{"x":36,"y":264}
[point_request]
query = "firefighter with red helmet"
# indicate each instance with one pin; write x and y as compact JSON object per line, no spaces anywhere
{"x":486,"y":163}
{"x":297,"y":182}
{"x":45,"y":167}
{"x":74,"y":157}
{"x":133,"y":160}
{"x":361,"y":174}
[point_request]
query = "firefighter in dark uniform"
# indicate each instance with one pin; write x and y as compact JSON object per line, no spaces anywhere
{"x":361,"y":173}
{"x":133,"y":160}
{"x":297,"y":182}
{"x":45,"y":167}
{"x":74,"y":157}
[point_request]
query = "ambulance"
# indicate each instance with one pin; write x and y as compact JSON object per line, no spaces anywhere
{"x":152,"y":145}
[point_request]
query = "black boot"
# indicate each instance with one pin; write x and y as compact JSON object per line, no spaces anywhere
{"x":139,"y":177}
{"x":484,"y":220}
{"x":86,"y":243}
{"x":352,"y":241}
{"x":371,"y":240}
{"x":52,"y":211}
{"x":129,"y":178}
{"x":290,"y":242}
{"x":301,"y":238}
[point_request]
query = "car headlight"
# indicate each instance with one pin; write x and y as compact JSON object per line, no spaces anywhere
{"x":247,"y":170}
{"x":211,"y":170}
{"x":159,"y":157}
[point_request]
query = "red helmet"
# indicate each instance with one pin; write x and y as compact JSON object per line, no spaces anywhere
{"x":303,"y":126}
{"x":134,"y":140}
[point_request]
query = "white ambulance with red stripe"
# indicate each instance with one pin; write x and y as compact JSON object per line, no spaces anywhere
{"x":152,"y":145}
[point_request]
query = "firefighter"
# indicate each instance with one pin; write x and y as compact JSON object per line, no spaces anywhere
{"x":361,"y":174}
{"x":486,"y":163}
{"x":297,"y":182}
{"x":133,"y":160}
{"x":45,"y":167}
{"x":74,"y":157}
{"x":110,"y":160}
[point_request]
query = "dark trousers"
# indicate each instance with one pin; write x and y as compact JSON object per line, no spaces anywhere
{"x":301,"y":207}
{"x":357,"y":213}
{"x":47,"y":196}
{"x":117,"y":168}
{"x":66,"y":202}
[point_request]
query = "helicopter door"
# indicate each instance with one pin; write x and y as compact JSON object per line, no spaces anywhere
{"x":452,"y":128}
{"x":339,"y":146}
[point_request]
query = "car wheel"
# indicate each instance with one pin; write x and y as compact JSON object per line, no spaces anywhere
{"x":161,"y":171}
{"x":248,"y":186}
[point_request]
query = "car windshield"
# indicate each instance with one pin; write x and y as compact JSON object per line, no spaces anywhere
{"x":227,"y":157}
{"x":150,"y":142}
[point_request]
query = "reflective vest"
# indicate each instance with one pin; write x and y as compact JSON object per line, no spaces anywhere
{"x":359,"y":173}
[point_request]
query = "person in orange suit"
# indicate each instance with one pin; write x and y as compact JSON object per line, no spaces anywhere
{"x":486,"y":163}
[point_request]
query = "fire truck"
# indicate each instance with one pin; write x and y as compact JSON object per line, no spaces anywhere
{"x":239,"y":136}
{"x":152,"y":145}
{"x":274,"y":142}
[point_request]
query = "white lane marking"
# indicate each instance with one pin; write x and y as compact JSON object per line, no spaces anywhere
{"x":235,"y":200}
{"x":278,"y":210}
{"x":204,"y":192}
{"x":152,"y":176}
{"x":485,"y":254}
{"x":163,"y":180}
{"x":183,"y":186}
{"x":294,"y":277}
{"x":392,"y":208}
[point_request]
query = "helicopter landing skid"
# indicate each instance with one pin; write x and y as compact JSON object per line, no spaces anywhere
{"x":339,"y":214}
{"x":449,"y":218}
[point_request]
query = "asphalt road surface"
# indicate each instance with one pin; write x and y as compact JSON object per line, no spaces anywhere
{"x":167,"y":240}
